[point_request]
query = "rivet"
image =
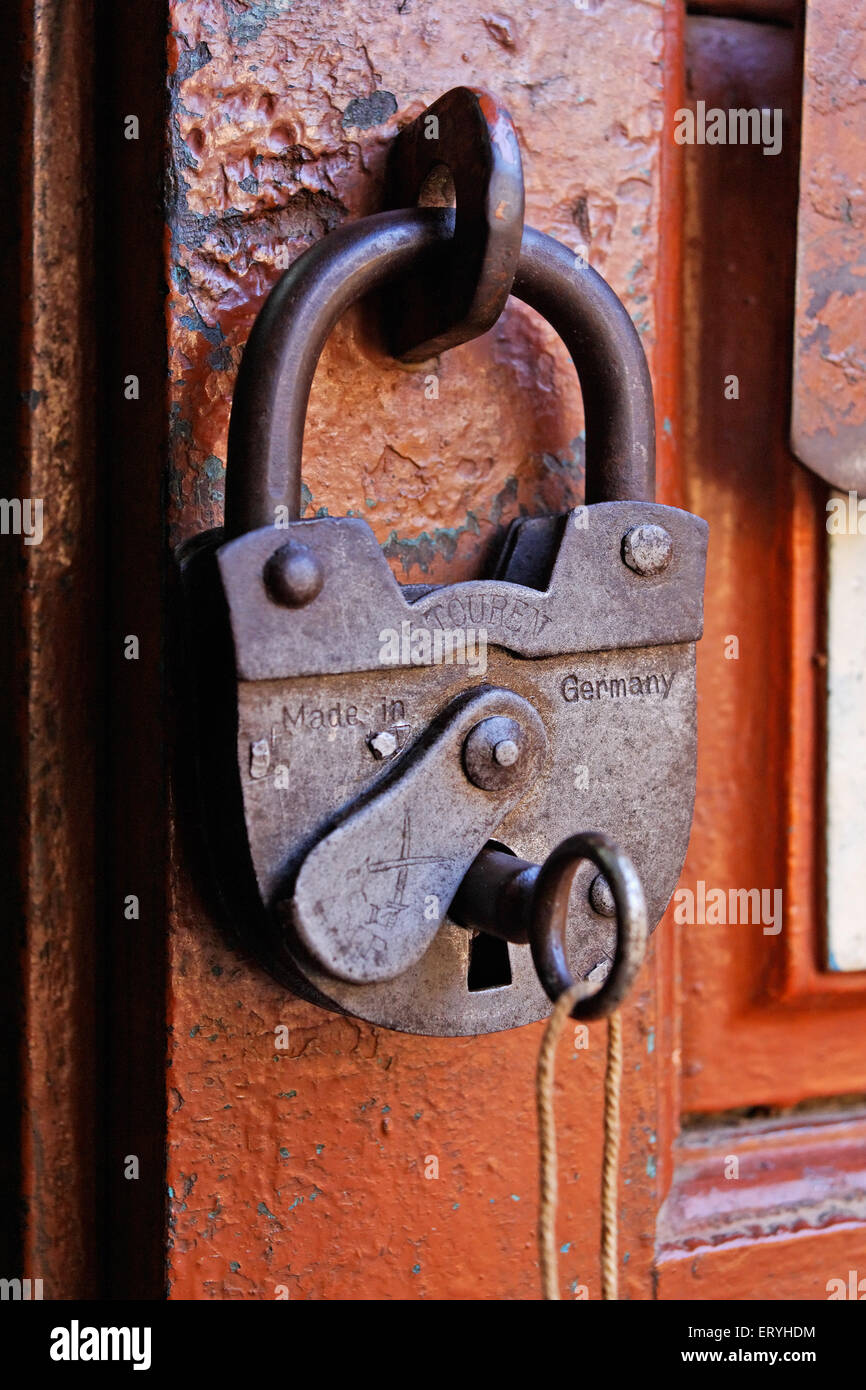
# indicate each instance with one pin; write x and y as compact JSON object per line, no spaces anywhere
{"x":493,"y":753}
{"x":601,"y":897}
{"x":647,"y":549}
{"x":506,"y":752}
{"x":293,"y":575}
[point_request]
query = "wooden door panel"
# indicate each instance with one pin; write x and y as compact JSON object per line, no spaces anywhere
{"x":306,"y":1168}
{"x":763,"y":1023}
{"x":782,"y":1266}
{"x":766,"y":1194}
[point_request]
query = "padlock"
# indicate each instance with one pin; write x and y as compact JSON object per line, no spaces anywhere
{"x":372,"y":739}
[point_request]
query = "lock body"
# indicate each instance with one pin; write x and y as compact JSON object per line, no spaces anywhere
{"x":325,"y":716}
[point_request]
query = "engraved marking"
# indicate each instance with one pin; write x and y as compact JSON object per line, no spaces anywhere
{"x":330,"y":718}
{"x":336,"y":716}
{"x":393,"y":711}
{"x":386,"y":914}
{"x":575,"y":687}
{"x":512,"y":614}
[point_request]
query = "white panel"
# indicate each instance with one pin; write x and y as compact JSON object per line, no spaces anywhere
{"x":846,"y":745}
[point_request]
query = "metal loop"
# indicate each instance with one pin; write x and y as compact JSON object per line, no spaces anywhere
{"x":471,"y":135}
{"x":270,"y":400}
{"x":549,"y":915}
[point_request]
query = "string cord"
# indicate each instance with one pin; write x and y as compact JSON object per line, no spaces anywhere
{"x":548,"y":1180}
{"x":610,"y":1160}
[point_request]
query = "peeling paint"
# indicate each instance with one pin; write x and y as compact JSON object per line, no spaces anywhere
{"x":262,"y":166}
{"x":372,"y":110}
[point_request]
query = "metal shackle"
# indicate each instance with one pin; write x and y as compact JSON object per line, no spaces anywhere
{"x":270,"y":400}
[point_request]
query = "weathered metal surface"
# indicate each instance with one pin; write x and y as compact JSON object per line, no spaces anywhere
{"x":495,"y":753}
{"x":523,"y":902}
{"x":372,"y":894}
{"x":623,"y":763}
{"x":828,"y":427}
{"x":494,"y":895}
{"x":306,"y":1167}
{"x":471,"y":135}
{"x":342,"y":628}
{"x":263,"y":486}
{"x":549,"y":911}
{"x":647,"y":549}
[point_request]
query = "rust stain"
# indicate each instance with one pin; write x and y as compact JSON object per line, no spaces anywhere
{"x":58,"y":686}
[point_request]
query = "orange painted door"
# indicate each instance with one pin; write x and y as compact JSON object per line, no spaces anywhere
{"x":310,"y":1169}
{"x":305,"y":1154}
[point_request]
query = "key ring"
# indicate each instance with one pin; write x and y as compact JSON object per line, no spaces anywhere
{"x":522,"y":902}
{"x":548,"y":916}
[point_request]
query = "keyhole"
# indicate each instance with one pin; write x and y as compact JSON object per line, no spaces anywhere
{"x":489,"y":963}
